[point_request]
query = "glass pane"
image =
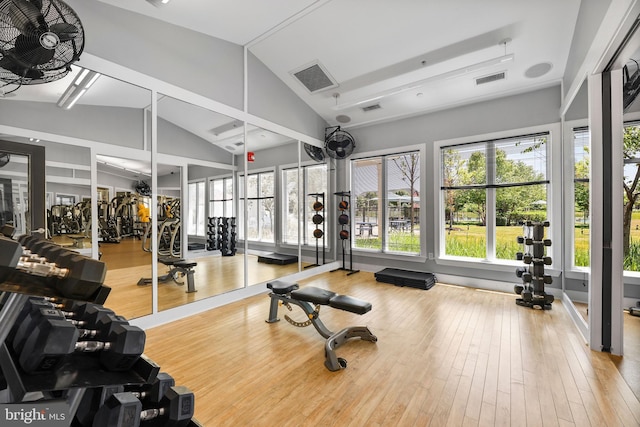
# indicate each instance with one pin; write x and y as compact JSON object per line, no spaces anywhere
{"x":266,"y":184}
{"x":191,"y":225}
{"x":290,"y":178}
{"x":511,"y":209}
{"x":252,"y":222}
{"x":465,"y":223}
{"x":201,"y":214}
{"x":631,"y":215}
{"x":266,"y":220}
{"x":367,"y":188}
{"x":521,"y":160}
{"x":581,"y":198}
{"x":464,"y":165}
{"x":316,"y":183}
{"x":403,"y":203}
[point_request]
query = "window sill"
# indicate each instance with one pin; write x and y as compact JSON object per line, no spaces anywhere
{"x":394,"y":255}
{"x":497,"y":265}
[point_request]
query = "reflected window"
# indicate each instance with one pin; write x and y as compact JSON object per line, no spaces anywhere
{"x":507,"y":177}
{"x":196,"y":218}
{"x":314,"y":183}
{"x":221,"y":197}
{"x":386,"y":203}
{"x":260,"y":206}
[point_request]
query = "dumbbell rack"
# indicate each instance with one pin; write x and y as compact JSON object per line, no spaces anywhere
{"x":533,"y":275}
{"x":345,"y":196}
{"x":319,"y":201}
{"x":63,"y":389}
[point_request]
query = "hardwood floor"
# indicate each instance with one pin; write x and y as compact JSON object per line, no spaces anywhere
{"x":447,"y":356}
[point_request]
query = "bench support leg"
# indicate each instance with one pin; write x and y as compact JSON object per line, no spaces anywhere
{"x":191,"y":287}
{"x":335,"y":363}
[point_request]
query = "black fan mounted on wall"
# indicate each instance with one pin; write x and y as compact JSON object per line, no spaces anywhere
{"x":4,"y":159}
{"x":338,"y":144}
{"x":314,"y":152}
{"x":39,"y":40}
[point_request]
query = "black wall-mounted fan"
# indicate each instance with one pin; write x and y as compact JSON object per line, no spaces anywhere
{"x":314,"y":152}
{"x":338,"y":144}
{"x":39,"y":40}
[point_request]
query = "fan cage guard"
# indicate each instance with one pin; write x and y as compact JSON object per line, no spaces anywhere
{"x":39,"y":39}
{"x":339,"y":144}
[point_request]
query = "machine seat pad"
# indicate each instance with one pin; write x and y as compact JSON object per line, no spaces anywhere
{"x":313,"y":295}
{"x":185,"y":264}
{"x":170,"y":260}
{"x":354,"y":305}
{"x":282,"y":288}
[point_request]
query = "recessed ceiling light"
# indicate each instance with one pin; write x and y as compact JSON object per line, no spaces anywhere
{"x":343,"y":119}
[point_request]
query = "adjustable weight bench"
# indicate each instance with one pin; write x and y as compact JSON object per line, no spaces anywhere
{"x":305,"y":298}
{"x":177,"y":267}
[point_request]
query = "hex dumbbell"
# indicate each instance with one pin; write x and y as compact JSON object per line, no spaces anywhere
{"x":52,"y":340}
{"x":148,"y":394}
{"x":175,"y":410}
{"x":84,"y":275}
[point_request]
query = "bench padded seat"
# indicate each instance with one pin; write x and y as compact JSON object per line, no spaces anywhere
{"x":170,"y":260}
{"x":354,"y":305}
{"x":282,"y":288}
{"x":313,"y":295}
{"x":185,"y":264}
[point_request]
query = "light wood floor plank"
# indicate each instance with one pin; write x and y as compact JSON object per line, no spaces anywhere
{"x":447,"y":356}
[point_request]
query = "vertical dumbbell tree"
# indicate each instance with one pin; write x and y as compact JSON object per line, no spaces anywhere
{"x":319,"y":221}
{"x":532,"y":274}
{"x":344,"y":204}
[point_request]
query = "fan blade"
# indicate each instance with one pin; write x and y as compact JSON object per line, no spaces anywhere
{"x":340,"y":152}
{"x":26,"y":17}
{"x":64,"y":31}
{"x":10,"y":65}
{"x":332,"y":144}
{"x":37,"y":3}
{"x":29,"y":50}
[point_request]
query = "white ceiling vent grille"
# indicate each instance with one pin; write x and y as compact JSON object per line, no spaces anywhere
{"x":371,"y":107}
{"x":491,"y":78}
{"x":314,"y":77}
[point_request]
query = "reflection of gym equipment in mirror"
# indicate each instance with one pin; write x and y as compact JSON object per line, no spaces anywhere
{"x":168,"y":228}
{"x":319,"y":232}
{"x":344,"y":204}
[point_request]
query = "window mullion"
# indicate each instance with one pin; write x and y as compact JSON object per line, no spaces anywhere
{"x":491,"y":200}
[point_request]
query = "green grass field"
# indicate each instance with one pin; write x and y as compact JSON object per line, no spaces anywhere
{"x":468,"y":240}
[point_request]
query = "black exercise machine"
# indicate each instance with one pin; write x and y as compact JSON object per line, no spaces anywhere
{"x":289,"y":293}
{"x":178,"y":267}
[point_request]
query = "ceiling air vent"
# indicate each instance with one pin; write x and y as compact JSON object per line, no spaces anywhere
{"x":371,"y":107}
{"x":314,"y":77}
{"x":491,"y":78}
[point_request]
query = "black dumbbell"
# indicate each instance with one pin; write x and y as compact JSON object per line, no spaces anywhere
{"x":95,"y":320}
{"x":83,"y":276}
{"x":175,"y":410}
{"x":520,"y":271}
{"x":519,"y":256}
{"x":547,"y":279}
{"x":10,"y":253}
{"x":53,"y":339}
{"x":520,"y":239}
{"x":148,"y":394}
{"x":547,"y":242}
{"x":547,"y":260}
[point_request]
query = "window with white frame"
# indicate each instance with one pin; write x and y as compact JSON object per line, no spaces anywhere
{"x":314,"y":184}
{"x":385,"y":197}
{"x":221,"y":197}
{"x":487,"y":189}
{"x":261,"y":206}
{"x":196,"y":219}
{"x":631,"y":197}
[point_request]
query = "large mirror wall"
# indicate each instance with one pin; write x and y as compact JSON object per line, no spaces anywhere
{"x":99,"y":197}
